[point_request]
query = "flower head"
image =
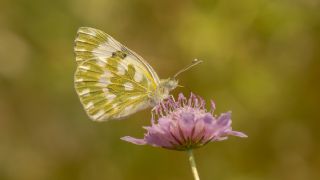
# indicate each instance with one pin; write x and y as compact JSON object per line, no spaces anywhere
{"x":185,"y":124}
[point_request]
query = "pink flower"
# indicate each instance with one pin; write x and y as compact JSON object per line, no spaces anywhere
{"x":185,"y":124}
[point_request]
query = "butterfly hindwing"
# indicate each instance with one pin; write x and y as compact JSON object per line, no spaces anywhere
{"x":111,"y":80}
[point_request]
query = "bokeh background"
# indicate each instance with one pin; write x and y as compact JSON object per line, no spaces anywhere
{"x":261,"y":60}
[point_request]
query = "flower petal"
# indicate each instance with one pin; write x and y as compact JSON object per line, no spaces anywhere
{"x":186,"y":123}
{"x":237,"y":133}
{"x":175,"y":133}
{"x":199,"y":130}
{"x":134,"y":140}
{"x":158,"y":139}
{"x":224,"y":119}
{"x":208,"y":119}
{"x":164,"y":123}
{"x":203,"y":128}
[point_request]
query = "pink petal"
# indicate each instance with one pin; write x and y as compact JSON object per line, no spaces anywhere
{"x":224,"y":119}
{"x":186,"y":123}
{"x":134,"y":140}
{"x":199,"y":130}
{"x":237,"y":133}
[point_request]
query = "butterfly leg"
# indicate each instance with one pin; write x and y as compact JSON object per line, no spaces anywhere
{"x":153,"y":112}
{"x":171,"y":96}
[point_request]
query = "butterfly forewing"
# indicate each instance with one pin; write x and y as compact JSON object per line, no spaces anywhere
{"x":111,"y":80}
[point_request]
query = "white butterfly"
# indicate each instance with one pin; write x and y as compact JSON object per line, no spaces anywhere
{"x":112,"y":81}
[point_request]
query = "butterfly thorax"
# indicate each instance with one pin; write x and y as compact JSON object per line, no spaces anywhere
{"x":162,"y":91}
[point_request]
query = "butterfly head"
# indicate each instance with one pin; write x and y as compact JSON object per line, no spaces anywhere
{"x":169,"y":84}
{"x":163,"y":90}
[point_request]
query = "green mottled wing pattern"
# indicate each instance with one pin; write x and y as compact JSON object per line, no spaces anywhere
{"x":111,"y":80}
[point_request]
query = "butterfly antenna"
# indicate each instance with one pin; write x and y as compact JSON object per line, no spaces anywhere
{"x":194,"y":62}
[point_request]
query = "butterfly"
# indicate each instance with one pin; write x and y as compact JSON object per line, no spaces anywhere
{"x":111,"y":80}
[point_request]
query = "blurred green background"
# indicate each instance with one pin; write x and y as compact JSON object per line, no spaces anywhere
{"x":261,"y":60}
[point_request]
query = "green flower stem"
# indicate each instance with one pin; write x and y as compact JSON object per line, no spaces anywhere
{"x":193,"y":165}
